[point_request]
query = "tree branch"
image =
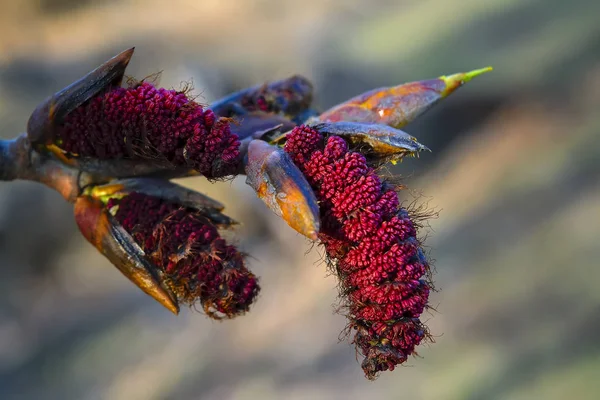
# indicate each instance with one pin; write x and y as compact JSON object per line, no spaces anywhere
{"x":18,"y":160}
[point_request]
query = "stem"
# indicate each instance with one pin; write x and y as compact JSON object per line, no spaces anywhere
{"x":11,"y":158}
{"x":18,"y":160}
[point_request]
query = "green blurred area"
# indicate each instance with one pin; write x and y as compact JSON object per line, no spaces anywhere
{"x":514,"y":174}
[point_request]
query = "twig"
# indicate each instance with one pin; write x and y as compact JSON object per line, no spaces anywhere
{"x":18,"y":160}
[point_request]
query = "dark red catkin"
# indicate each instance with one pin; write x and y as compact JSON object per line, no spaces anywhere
{"x":198,"y":263}
{"x":289,"y":96}
{"x":143,"y":121}
{"x":372,"y":242}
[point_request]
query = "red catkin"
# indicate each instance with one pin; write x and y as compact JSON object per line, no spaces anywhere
{"x":198,"y":263}
{"x":143,"y":121}
{"x":372,"y":243}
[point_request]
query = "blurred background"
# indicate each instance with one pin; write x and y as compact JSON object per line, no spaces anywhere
{"x":514,"y":173}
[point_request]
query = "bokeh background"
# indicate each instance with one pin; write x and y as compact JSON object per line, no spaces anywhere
{"x":514,"y":172}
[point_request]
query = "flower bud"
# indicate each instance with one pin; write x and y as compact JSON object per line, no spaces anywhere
{"x":175,"y":233}
{"x":291,"y":97}
{"x":398,"y":105}
{"x":146,"y":123}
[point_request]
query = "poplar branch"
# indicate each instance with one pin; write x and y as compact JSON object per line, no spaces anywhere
{"x":18,"y":160}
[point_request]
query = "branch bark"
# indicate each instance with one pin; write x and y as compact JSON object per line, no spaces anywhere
{"x":18,"y":160}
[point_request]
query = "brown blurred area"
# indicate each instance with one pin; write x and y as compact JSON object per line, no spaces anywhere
{"x":515,"y":174}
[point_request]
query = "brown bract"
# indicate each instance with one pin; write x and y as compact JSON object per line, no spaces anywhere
{"x":104,"y":233}
{"x":279,"y":183}
{"x":42,"y":124}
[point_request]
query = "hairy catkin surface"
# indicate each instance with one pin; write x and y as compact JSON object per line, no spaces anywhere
{"x":373,"y":244}
{"x":145,"y":122}
{"x":198,"y":263}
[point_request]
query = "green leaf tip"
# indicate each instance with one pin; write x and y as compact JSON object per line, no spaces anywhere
{"x":454,"y":81}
